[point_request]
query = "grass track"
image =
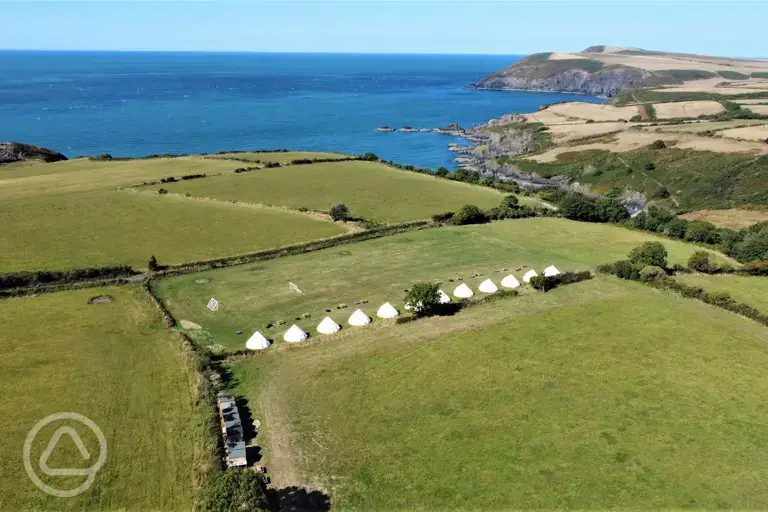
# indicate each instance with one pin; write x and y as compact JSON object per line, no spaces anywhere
{"x":546,"y":401}
{"x":116,"y":364}
{"x":371,"y":190}
{"x":379,"y":270}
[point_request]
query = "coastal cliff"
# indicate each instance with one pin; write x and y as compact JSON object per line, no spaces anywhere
{"x":15,"y":152}
{"x":538,"y":72}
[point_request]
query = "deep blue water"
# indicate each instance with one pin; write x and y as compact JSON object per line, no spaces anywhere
{"x":132,"y":104}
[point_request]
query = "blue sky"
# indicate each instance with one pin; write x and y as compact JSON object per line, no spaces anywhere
{"x":501,"y":27}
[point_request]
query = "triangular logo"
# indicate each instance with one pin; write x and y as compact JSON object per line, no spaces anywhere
{"x":52,"y":445}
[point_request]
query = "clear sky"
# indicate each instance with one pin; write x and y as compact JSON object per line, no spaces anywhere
{"x":726,"y":28}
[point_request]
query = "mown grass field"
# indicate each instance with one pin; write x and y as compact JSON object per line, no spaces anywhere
{"x":747,"y":289}
{"x":371,"y":190}
{"x":279,"y":156}
{"x":103,"y":227}
{"x":379,"y":271}
{"x":117,"y":365}
{"x":599,"y":395}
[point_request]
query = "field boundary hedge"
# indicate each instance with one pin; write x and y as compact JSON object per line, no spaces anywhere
{"x":16,"y":284}
{"x":291,"y":250}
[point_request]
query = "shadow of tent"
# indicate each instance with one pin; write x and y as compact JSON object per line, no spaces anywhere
{"x":297,"y":498}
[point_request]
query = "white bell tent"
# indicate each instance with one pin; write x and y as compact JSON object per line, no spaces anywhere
{"x":443,"y":297}
{"x":294,"y":334}
{"x":358,"y":318}
{"x":257,"y":342}
{"x":551,"y":271}
{"x":529,"y":275}
{"x":328,"y":326}
{"x":463,"y":291}
{"x":510,"y":282}
{"x":488,"y":286}
{"x":387,"y":310}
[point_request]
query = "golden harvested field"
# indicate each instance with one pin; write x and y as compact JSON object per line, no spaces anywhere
{"x":570,"y":132}
{"x":550,"y":118}
{"x":757,"y":133}
{"x":593,"y":111}
{"x":687,"y":109}
{"x":734,"y":218}
{"x":754,"y":101}
{"x":715,"y":85}
{"x":681,"y":61}
{"x":759,"y":109}
{"x":722,"y":145}
{"x":705,"y":126}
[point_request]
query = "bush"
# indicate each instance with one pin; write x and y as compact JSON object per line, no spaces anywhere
{"x":576,"y":206}
{"x":610,"y":210}
{"x":699,"y":261}
{"x":162,"y":191}
{"x":651,"y":273}
{"x":657,"y":144}
{"x":544,"y":283}
{"x":370,"y":157}
{"x":49,"y":277}
{"x":650,"y":253}
{"x":469,"y":214}
{"x":626,"y":270}
{"x":424,"y":298}
{"x":649,"y":166}
{"x":756,"y":268}
{"x":442,"y":217}
{"x":235,"y":490}
{"x":339,"y":212}
{"x":152,"y":265}
{"x":676,"y":228}
{"x":442,"y":172}
{"x":700,"y":231}
{"x":510,"y":201}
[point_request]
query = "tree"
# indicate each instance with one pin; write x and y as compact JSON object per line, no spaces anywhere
{"x":699,"y":261}
{"x":676,"y":228}
{"x":650,"y":253}
{"x":424,"y":298}
{"x":626,"y":270}
{"x":700,"y":231}
{"x":545,"y":283}
{"x":371,"y":157}
{"x":576,"y":206}
{"x":235,"y":490}
{"x":442,"y":171}
{"x":651,"y":273}
{"x":611,"y":210}
{"x":339,"y":212}
{"x":152,"y":265}
{"x":510,"y":201}
{"x":469,"y":214}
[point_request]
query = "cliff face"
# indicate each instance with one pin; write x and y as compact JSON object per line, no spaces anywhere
{"x":589,"y":76}
{"x":14,"y":152}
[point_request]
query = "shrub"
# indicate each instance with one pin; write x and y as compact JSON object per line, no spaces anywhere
{"x":510,"y":201}
{"x":699,"y":261}
{"x":370,"y":157}
{"x":626,"y":270}
{"x":650,"y":253}
{"x":657,"y":144}
{"x":720,"y":299}
{"x":651,"y":273}
{"x":544,"y":283}
{"x":576,"y":206}
{"x":152,"y":265}
{"x":235,"y":490}
{"x":756,"y":268}
{"x":469,"y":214}
{"x":424,"y":298}
{"x":442,"y":172}
{"x":676,"y":228}
{"x":649,"y":166}
{"x":339,"y":212}
{"x":442,"y":217}
{"x":660,"y":193}
{"x":162,"y":191}
{"x":700,"y":231}
{"x":610,"y":210}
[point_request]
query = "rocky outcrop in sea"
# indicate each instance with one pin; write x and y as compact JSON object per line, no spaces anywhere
{"x":16,"y":152}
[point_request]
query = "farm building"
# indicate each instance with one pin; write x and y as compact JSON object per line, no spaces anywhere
{"x":232,"y":430}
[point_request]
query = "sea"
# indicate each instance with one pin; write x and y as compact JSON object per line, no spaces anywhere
{"x":138,"y":103}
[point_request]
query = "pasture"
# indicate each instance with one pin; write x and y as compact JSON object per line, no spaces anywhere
{"x":747,"y":289}
{"x":282,"y":157}
{"x":598,"y":395}
{"x":117,"y":365}
{"x":371,"y":190}
{"x":379,"y":271}
{"x":96,"y":228}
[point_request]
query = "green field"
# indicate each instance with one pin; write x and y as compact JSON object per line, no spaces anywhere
{"x":97,"y":228}
{"x":117,"y":365}
{"x":749,"y":290}
{"x":599,"y":395}
{"x":371,"y":190}
{"x":379,"y":271}
{"x":279,"y":156}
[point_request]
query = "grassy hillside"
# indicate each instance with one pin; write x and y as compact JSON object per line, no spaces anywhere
{"x":117,"y":365}
{"x":371,"y":190}
{"x":546,"y":401}
{"x":379,"y":271}
{"x":749,"y":290}
{"x":116,"y":227}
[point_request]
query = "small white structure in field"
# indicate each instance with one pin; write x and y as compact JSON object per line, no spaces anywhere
{"x":488,"y":286}
{"x":257,"y":342}
{"x":551,"y":271}
{"x":328,"y":326}
{"x":358,"y":318}
{"x":510,"y":282}
{"x":292,"y":287}
{"x":213,"y":304}
{"x":294,"y":334}
{"x":463,"y":291}
{"x":529,"y":275}
{"x":387,"y":311}
{"x":443,"y":297}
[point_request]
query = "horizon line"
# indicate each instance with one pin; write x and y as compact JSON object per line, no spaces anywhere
{"x":305,"y":52}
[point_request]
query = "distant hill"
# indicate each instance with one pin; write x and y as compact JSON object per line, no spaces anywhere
{"x":608,"y":70}
{"x":15,"y":152}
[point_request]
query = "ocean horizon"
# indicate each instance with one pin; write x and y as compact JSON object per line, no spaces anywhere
{"x":133,"y":103}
